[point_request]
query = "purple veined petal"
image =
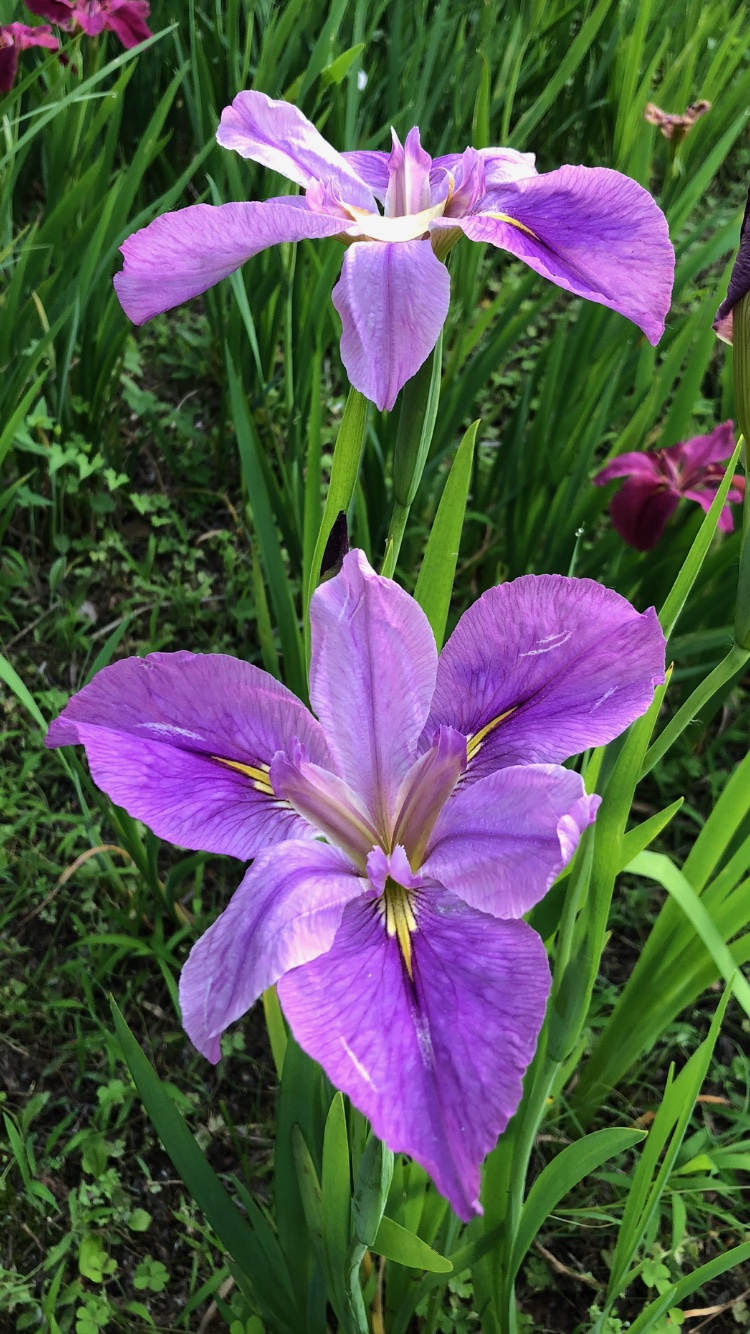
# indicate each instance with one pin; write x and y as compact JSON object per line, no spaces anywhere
{"x":543,"y":667}
{"x":179,"y":255}
{"x":436,"y":1063}
{"x":501,"y":842}
{"x":326,"y":802}
{"x":592,"y":231}
{"x":277,"y":135}
{"x":640,"y":510}
{"x":372,"y":674}
{"x":739,"y":282}
{"x":425,"y":790}
{"x":285,"y":913}
{"x":640,"y":464}
{"x":696,"y":453}
{"x":372,"y":168}
{"x":183,"y":741}
{"x":393,"y":301}
{"x":408,"y":177}
{"x":500,"y":164}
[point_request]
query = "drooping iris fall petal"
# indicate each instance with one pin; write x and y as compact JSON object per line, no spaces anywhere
{"x":543,"y":667}
{"x":180,"y":740}
{"x":434,"y":1062}
{"x":592,"y":231}
{"x":180,"y":255}
{"x":393,"y":300}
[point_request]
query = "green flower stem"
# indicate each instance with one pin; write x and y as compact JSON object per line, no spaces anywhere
{"x":396,"y":530}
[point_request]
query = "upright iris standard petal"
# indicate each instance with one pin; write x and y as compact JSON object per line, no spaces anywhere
{"x":500,"y":164}
{"x":543,"y":667}
{"x":408,"y":177}
{"x":179,"y":255}
{"x":436,"y":1062}
{"x":393,"y":300}
{"x":276,"y":134}
{"x":372,"y":674}
{"x":325,"y":801}
{"x":501,"y":842}
{"x":592,"y":231}
{"x":286,"y":912}
{"x":183,"y":741}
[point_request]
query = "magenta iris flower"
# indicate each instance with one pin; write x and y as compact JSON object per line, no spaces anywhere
{"x":15,"y":38}
{"x":398,"y":838}
{"x":659,"y":478}
{"x":125,"y":18}
{"x":592,"y":231}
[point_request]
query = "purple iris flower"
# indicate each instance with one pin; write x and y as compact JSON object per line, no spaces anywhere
{"x":15,"y":38}
{"x":659,"y":478}
{"x":398,"y":838}
{"x":592,"y":231}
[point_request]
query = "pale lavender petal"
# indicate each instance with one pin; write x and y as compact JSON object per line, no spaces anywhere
{"x":179,"y":255}
{"x":372,"y":168}
{"x":469,"y":184}
{"x":739,"y":282}
{"x":640,"y":510}
{"x":409,"y":177}
{"x":372,"y":675}
{"x":384,"y":866}
{"x":638,"y":464}
{"x":325,"y":801}
{"x":393,"y":301}
{"x":276,"y":134}
{"x":425,"y":790}
{"x":501,"y":842}
{"x":286,"y":912}
{"x":592,"y":231}
{"x":435,"y":1064}
{"x":163,"y":733}
{"x":544,"y":667}
{"x":696,"y":453}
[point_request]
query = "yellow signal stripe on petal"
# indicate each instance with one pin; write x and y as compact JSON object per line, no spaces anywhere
{"x":474,"y":743}
{"x":505,"y":217}
{"x":400,"y":920}
{"x":259,"y":776}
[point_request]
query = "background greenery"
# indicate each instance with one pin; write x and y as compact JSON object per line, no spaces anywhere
{"x":142,"y":508}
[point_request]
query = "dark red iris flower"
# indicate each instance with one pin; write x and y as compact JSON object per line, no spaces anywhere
{"x":659,"y":478}
{"x":15,"y":38}
{"x":125,"y":18}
